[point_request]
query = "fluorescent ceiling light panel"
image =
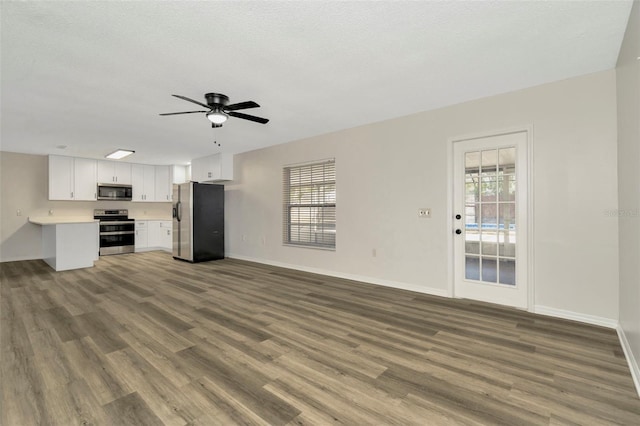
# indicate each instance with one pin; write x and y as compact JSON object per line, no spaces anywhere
{"x":119,"y":154}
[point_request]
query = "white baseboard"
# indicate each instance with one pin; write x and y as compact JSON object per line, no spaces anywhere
{"x":18,"y":259}
{"x":370,"y":280}
{"x":145,"y":249}
{"x":576,"y":316}
{"x":628,"y":354}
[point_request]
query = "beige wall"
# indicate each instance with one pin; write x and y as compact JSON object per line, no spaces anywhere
{"x":24,"y":186}
{"x":386,"y":171}
{"x":628,"y":79}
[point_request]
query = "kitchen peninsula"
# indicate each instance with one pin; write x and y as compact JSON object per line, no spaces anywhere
{"x":68,"y":242}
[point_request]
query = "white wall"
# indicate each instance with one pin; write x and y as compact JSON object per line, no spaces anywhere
{"x":628,"y":83}
{"x":24,"y":181}
{"x":386,"y":171}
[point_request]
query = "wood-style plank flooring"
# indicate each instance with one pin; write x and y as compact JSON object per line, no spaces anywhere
{"x":143,"y":339}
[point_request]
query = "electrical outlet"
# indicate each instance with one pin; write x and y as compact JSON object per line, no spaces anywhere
{"x":424,"y":213}
{"x":18,"y":212}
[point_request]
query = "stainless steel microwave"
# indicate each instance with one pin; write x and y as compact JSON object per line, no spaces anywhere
{"x":112,"y":191}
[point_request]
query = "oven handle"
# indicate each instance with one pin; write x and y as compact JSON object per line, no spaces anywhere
{"x":118,"y":222}
{"x":118,"y":233}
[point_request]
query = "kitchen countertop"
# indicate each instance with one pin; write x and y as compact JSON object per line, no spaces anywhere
{"x":58,"y":220}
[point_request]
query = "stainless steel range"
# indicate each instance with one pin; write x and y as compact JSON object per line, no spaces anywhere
{"x":117,"y":231}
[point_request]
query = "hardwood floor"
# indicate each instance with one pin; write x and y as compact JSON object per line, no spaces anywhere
{"x":143,"y":339}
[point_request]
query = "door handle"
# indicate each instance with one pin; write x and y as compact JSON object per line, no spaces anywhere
{"x":458,"y":231}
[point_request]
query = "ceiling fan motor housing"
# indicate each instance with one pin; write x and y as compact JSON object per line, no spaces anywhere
{"x":215,"y":99}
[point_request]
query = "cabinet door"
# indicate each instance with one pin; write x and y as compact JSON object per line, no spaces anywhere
{"x":137,"y":182}
{"x":84,"y":178}
{"x":149,"y":183}
{"x":212,"y":168}
{"x":154,"y":233}
{"x":141,"y":241}
{"x":114,"y":172}
{"x":179,"y":174}
{"x":106,"y":172}
{"x":217,"y":167}
{"x":166,"y":237}
{"x":163,"y":183}
{"x":60,"y":177}
{"x":123,"y":173}
{"x":198,"y":166}
{"x":143,"y":182}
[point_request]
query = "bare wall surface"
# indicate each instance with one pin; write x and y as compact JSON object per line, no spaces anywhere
{"x":628,"y":85}
{"x":388,"y":170}
{"x":24,"y":181}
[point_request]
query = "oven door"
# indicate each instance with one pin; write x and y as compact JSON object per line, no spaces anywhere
{"x":117,"y":237}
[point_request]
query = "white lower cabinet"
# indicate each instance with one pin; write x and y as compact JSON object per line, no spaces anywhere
{"x":166,"y":234}
{"x":142,"y":236}
{"x":154,"y":235}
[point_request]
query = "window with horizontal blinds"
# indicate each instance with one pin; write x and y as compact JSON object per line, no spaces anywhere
{"x":309,"y":204}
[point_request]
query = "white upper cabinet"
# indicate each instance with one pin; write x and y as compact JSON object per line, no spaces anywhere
{"x":163,"y":183}
{"x":179,"y":174}
{"x":72,"y":178}
{"x":213,"y":168}
{"x":60,"y":178}
{"x":143,"y":181}
{"x":114,"y":172}
{"x":84,"y":178}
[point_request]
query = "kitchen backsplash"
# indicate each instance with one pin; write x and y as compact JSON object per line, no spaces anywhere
{"x":159,"y":211}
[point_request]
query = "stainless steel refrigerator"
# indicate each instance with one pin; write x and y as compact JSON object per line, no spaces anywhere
{"x":198,"y":222}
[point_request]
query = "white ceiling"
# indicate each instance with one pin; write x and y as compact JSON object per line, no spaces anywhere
{"x":94,"y":75}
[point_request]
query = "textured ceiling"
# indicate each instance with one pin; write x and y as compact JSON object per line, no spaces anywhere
{"x":94,"y":75}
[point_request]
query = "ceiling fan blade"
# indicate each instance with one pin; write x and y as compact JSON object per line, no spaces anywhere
{"x":248,"y":117}
{"x":184,"y":98}
{"x":241,"y":105}
{"x":176,"y":113}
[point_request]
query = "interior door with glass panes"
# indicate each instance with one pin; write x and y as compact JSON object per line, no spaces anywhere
{"x":490,"y":219}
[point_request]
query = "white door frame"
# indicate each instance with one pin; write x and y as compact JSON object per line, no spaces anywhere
{"x":528,"y":129}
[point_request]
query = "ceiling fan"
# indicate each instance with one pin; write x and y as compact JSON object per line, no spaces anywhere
{"x":218,"y":111}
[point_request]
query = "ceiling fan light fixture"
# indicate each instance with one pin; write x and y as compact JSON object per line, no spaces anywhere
{"x":217,"y":117}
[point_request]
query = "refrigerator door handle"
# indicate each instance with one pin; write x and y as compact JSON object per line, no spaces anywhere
{"x":179,"y":211}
